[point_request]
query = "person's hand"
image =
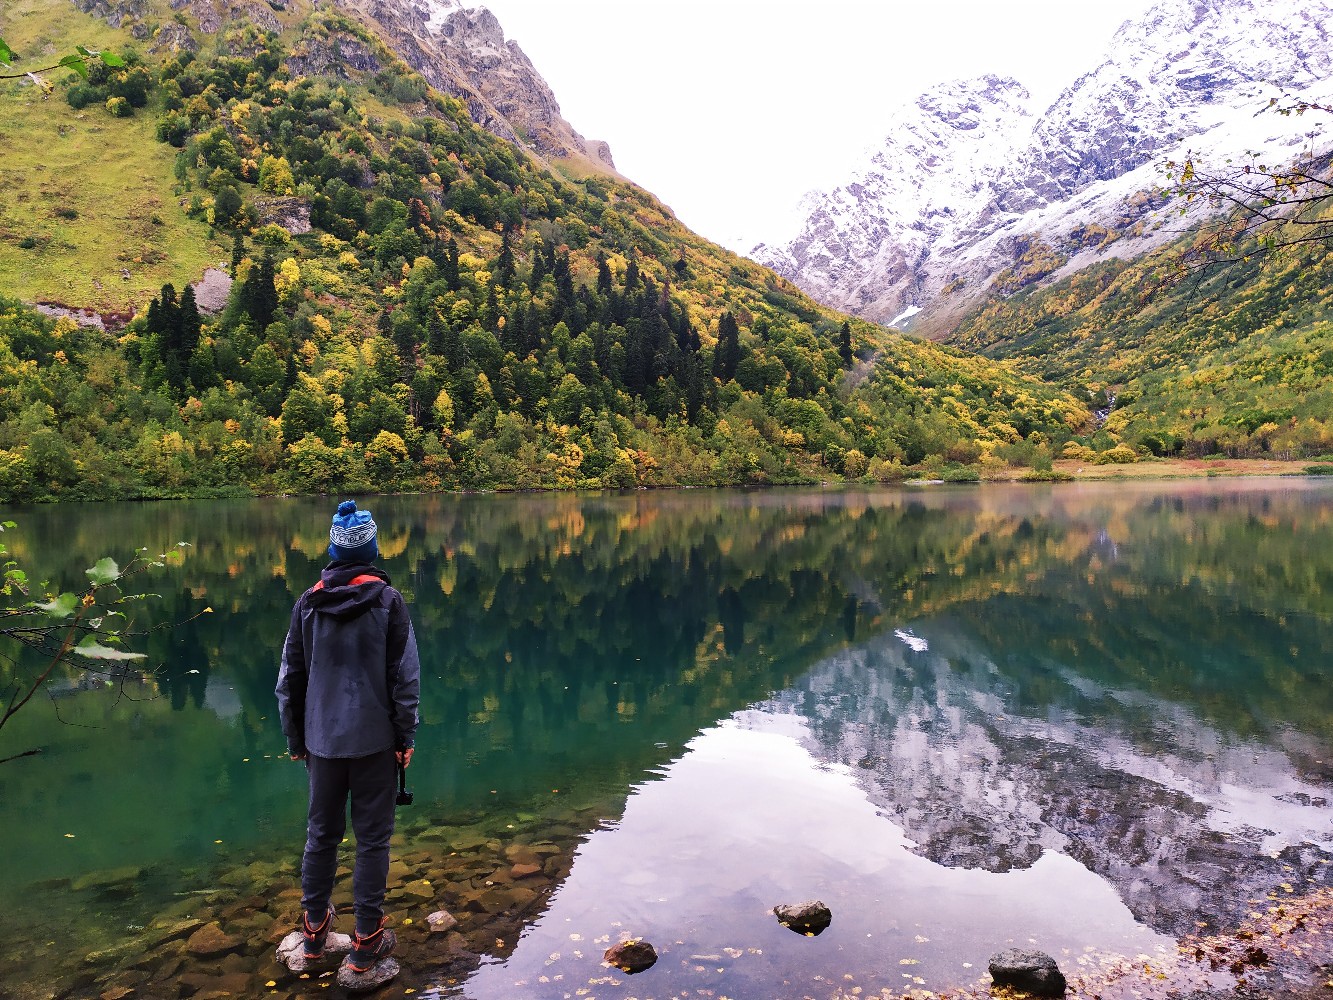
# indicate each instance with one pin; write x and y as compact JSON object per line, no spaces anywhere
{"x":404,"y":757}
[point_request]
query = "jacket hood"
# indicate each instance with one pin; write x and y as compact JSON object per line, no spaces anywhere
{"x":336,"y":594}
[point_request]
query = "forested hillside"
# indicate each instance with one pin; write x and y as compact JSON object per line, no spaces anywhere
{"x":1234,"y":358}
{"x":416,"y":304}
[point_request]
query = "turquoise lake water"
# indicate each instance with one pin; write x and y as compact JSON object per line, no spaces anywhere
{"x":1074,"y":717}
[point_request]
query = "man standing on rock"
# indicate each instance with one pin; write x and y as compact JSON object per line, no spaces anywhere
{"x":347,"y":692}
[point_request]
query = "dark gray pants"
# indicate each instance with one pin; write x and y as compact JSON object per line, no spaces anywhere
{"x":371,"y":783}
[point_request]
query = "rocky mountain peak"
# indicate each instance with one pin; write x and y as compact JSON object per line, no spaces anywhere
{"x":968,"y":178}
{"x":462,"y":51}
{"x":966,"y":104}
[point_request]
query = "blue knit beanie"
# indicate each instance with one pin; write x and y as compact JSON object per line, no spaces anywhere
{"x":352,"y":536}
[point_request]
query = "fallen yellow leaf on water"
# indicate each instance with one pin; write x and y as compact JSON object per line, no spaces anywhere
{"x":271,"y":983}
{"x":405,"y":923}
{"x":70,"y":836}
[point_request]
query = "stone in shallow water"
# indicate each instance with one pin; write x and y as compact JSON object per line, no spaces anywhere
{"x":171,"y":930}
{"x":441,"y":922}
{"x":117,"y":954}
{"x":211,"y":940}
{"x":291,"y":950}
{"x":419,"y":890}
{"x":1030,"y":971}
{"x":111,"y":880}
{"x":373,"y":978}
{"x":811,"y":917}
{"x":631,"y":956}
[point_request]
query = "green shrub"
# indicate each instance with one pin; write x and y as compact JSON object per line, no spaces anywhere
{"x":1319,"y":470}
{"x":81,"y":95}
{"x":273,"y":235}
{"x":1121,"y":454}
{"x":952,"y":473}
{"x":119,"y":107}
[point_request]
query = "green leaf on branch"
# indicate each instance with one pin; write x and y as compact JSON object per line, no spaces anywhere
{"x":77,"y":63}
{"x":6,"y":58}
{"x":93,"y":649}
{"x":58,"y":607}
{"x":111,"y":59}
{"x":106,"y":571}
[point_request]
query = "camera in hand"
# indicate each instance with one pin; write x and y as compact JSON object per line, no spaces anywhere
{"x":404,"y":796}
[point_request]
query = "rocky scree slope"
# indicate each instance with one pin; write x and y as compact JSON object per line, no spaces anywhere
{"x":462,"y":51}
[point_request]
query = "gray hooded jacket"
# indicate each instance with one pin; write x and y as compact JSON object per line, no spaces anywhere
{"x":350,"y":679}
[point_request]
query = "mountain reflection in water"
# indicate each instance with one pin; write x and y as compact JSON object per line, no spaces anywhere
{"x":748,"y":818}
{"x":1071,"y":717}
{"x":1187,"y":822}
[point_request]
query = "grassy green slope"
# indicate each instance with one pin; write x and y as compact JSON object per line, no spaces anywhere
{"x":89,"y":214}
{"x":1236,"y":359}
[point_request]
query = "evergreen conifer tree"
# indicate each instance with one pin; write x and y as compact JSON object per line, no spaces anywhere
{"x":504,"y":263}
{"x":237,"y":253}
{"x":259,"y":295}
{"x":449,"y":269}
{"x":727,"y":354}
{"x":538,"y":268}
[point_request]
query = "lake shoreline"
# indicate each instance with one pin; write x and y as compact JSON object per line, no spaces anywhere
{"x":1179,"y":468}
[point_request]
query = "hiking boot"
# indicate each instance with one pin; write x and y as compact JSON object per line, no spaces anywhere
{"x":315,"y":937}
{"x":368,"y":949}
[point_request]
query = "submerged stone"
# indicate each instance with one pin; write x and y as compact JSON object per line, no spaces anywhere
{"x":1032,"y":972}
{"x":631,"y":956}
{"x":419,"y":890}
{"x":811,"y":917}
{"x":116,"y":954}
{"x":211,"y":940}
{"x":117,"y":880}
{"x":171,"y":930}
{"x":441,"y":922}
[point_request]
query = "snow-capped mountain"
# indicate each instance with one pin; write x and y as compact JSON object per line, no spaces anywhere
{"x":970,"y":176}
{"x":461,"y":50}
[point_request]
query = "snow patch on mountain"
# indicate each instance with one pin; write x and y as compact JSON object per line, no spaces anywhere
{"x":970,"y":176}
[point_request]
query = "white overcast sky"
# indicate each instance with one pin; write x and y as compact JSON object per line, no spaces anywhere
{"x":730,"y":110}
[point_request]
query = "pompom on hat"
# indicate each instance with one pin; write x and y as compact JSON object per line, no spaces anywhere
{"x":352,"y":535}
